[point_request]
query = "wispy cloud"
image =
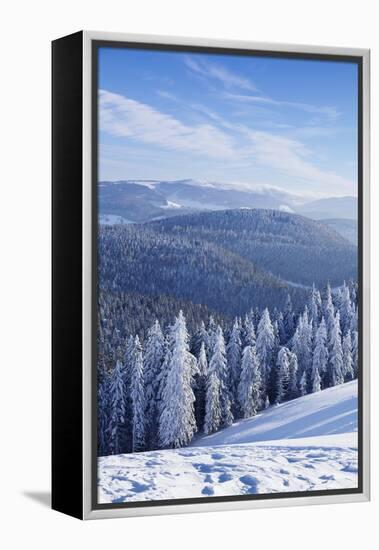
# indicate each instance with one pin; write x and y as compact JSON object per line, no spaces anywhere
{"x":124,"y":117}
{"x":290,"y":157}
{"x":234,"y":84}
{"x":167,"y":95}
{"x":331,"y":112}
{"x":220,"y":73}
{"x":220,"y":141}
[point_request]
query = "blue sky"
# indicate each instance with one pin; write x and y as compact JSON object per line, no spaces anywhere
{"x":242,"y":121}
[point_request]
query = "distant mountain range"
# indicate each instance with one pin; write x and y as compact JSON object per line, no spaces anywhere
{"x":136,"y":201}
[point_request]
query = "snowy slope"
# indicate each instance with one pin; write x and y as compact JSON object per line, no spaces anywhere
{"x":332,"y":411}
{"x":308,"y":444}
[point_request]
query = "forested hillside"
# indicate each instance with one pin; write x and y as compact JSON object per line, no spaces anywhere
{"x":122,"y":314}
{"x":289,"y":246}
{"x":144,"y":259}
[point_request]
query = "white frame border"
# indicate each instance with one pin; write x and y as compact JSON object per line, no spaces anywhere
{"x":88,"y":512}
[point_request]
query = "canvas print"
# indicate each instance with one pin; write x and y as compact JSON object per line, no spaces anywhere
{"x":227,"y":267}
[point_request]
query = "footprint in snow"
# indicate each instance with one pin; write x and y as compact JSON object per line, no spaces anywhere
{"x":328,"y":477}
{"x":352,"y":468}
{"x":217,"y":456}
{"x":251,"y":484}
{"x":224,"y":477}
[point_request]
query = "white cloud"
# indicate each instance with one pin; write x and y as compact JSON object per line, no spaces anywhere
{"x":167,"y":95}
{"x":331,"y":112}
{"x":283,"y":159}
{"x":220,"y":73}
{"x":292,"y":158}
{"x":124,"y":117}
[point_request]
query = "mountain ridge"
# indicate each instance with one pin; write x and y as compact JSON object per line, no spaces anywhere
{"x":145,"y":200}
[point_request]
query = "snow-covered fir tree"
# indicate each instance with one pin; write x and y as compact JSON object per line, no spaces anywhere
{"x":314,"y":305}
{"x":233,"y":352}
{"x":137,"y":397}
{"x":200,"y":337}
{"x":320,"y":353}
{"x":302,"y":345}
{"x":293,"y":367}
{"x":116,"y":428}
{"x":177,"y":421}
{"x":288,"y":319}
{"x":335,"y":354}
{"x":354,"y":352}
{"x":153,"y":360}
{"x":281,"y":330}
{"x":316,"y":382}
{"x":200,"y":387}
{"x":103,"y":395}
{"x":211,"y":337}
{"x":218,"y":363}
{"x":212,"y":420}
{"x":345,"y":309}
{"x":265,"y":345}
{"x":249,"y":387}
{"x":328,"y":309}
{"x":248,"y":332}
{"x":282,"y":377}
{"x":348,"y":368}
{"x":303,"y":384}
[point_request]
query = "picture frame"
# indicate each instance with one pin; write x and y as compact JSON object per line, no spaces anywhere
{"x":77,"y":205}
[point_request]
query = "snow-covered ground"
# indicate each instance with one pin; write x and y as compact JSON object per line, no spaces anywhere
{"x":307,"y":444}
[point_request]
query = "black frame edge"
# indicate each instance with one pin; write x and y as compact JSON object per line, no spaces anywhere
{"x":67,"y":402}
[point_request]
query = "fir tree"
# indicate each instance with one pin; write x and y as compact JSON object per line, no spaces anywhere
{"x":303,"y":384}
{"x":288,"y":319}
{"x":282,"y":378}
{"x":249,"y":336}
{"x":302,"y":346}
{"x":200,"y":337}
{"x":153,"y":360}
{"x":354,"y":352}
{"x":316,"y":382}
{"x":212,"y":419}
{"x":328,"y":310}
{"x":265,"y":345}
{"x":320,"y":353}
{"x":293,"y":390}
{"x":116,"y":428}
{"x":233,"y":351}
{"x":314,"y":304}
{"x":281,"y":330}
{"x":162,"y":377}
{"x":345,"y":309}
{"x":335,"y":356}
{"x":348,"y":369}
{"x":137,"y":397}
{"x":177,"y":420}
{"x":103,"y":415}
{"x":211,"y":337}
{"x":250,"y":383}
{"x":201,"y":386}
{"x":218,"y":363}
